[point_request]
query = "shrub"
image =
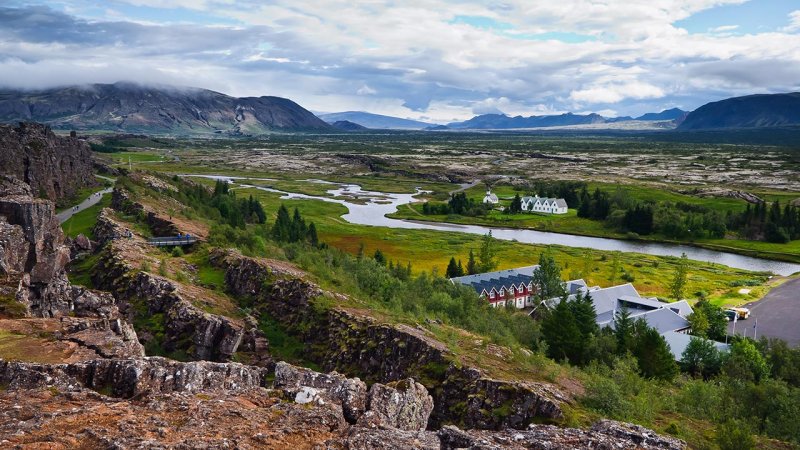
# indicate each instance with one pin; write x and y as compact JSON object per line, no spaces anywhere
{"x":735,"y":435}
{"x":176,"y":252}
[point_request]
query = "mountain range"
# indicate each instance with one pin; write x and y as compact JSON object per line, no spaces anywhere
{"x":369,"y":120}
{"x":752,"y":111}
{"x":132,"y":107}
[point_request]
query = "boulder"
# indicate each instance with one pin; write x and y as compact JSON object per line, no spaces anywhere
{"x":403,"y":404}
{"x":306,"y":385}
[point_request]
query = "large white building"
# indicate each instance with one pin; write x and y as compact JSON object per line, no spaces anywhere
{"x":544,"y":205}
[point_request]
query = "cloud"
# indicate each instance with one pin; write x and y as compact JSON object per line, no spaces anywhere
{"x":617,"y":92}
{"x":413,"y":58}
{"x":794,"y":21}
{"x":724,"y":29}
{"x":366,"y":90}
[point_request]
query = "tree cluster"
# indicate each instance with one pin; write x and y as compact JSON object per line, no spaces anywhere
{"x":294,"y":229}
{"x":459,"y":204}
{"x":771,"y":223}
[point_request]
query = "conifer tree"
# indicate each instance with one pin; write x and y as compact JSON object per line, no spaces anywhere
{"x":297,"y":231}
{"x":679,"y":281}
{"x":472,"y":266}
{"x":281,"y":230}
{"x":311,"y":235}
{"x":562,"y":334}
{"x":379,"y":258}
{"x":547,"y":278}
{"x":452,"y":269}
{"x":623,"y":331}
{"x":460,"y":269}
{"x":516,"y":204}
{"x":654,"y":357}
{"x":486,"y":255}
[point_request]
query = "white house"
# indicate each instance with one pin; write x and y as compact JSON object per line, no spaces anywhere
{"x":490,"y":198}
{"x":544,"y":205}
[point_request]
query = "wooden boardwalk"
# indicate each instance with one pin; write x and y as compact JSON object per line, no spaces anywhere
{"x":172,"y":241}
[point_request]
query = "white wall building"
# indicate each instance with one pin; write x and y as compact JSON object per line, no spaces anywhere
{"x":490,"y":198}
{"x":544,"y":205}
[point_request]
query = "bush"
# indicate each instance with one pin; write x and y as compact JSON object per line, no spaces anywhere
{"x":177,"y":252}
{"x":735,"y":435}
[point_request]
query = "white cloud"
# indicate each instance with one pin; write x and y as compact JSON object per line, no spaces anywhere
{"x":794,"y":21}
{"x":410,"y":58}
{"x":617,"y":92}
{"x":366,"y":90}
{"x":724,"y":29}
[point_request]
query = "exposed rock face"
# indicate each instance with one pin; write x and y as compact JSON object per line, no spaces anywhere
{"x":166,"y":404}
{"x":121,"y":201}
{"x":33,"y":254}
{"x":127,"y":378}
{"x":605,"y":434}
{"x":404,"y":405}
{"x":204,"y":336}
{"x":114,"y":338}
{"x":350,"y":393}
{"x":356,"y":344}
{"x":55,"y":167}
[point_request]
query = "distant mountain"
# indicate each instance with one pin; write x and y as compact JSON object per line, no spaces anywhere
{"x":667,"y":114}
{"x":378,"y":121}
{"x":131,"y":107}
{"x":346,"y":125}
{"x":502,"y":121}
{"x":752,"y":111}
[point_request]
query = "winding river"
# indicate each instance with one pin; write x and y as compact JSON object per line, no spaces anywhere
{"x":371,"y":208}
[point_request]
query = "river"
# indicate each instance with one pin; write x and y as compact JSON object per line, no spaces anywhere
{"x":371,"y":208}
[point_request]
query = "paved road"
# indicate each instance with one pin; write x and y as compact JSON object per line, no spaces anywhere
{"x":93,"y":199}
{"x":778,"y":314}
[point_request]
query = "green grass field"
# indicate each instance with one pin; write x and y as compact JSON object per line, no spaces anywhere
{"x":431,"y":250}
{"x":84,"y":221}
{"x":570,"y":223}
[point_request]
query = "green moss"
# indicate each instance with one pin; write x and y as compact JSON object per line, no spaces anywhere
{"x":9,"y":306}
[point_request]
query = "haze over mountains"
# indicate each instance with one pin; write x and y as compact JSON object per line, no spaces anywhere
{"x":130,"y":107}
{"x":136,"y":108}
{"x":370,"y":120}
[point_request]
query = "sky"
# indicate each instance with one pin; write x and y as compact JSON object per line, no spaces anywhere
{"x":433,"y":60}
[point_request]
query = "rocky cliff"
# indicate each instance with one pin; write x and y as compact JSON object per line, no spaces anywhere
{"x":353,"y":343}
{"x":184,"y":327}
{"x":154,"y":402}
{"x":54,"y":167}
{"x":33,"y":259}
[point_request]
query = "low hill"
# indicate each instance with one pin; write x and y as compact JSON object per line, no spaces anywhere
{"x":346,"y":125}
{"x":752,"y":111}
{"x":667,"y":114}
{"x":131,"y":107}
{"x":502,"y":121}
{"x":378,"y":121}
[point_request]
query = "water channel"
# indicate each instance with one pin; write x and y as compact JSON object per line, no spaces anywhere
{"x":370,"y":208}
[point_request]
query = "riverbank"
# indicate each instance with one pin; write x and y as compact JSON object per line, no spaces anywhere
{"x":571,"y":224}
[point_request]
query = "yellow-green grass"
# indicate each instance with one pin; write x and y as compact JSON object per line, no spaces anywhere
{"x":429,"y":250}
{"x":84,"y":221}
{"x":20,"y":347}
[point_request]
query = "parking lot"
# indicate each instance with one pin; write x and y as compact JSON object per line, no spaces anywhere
{"x":778,"y":315}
